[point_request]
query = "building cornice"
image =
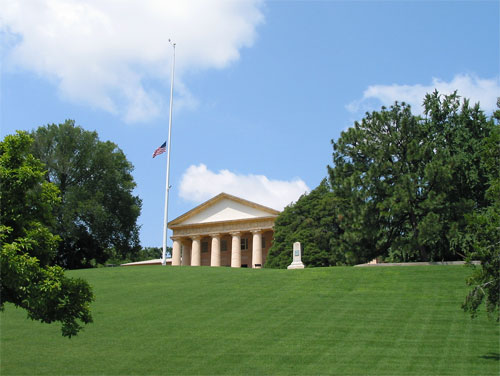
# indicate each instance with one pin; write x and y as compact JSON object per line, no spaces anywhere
{"x":225,"y":227}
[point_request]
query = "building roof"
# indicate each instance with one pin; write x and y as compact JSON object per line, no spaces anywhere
{"x":148,"y":262}
{"x":223,"y":207}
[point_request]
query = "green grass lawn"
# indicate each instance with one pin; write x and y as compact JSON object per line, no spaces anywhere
{"x":183,"y":320}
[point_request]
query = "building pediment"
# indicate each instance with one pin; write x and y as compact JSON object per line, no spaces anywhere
{"x":223,"y":208}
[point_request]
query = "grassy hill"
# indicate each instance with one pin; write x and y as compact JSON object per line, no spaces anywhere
{"x":345,"y":321}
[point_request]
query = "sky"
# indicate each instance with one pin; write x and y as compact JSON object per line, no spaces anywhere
{"x":260,"y":87}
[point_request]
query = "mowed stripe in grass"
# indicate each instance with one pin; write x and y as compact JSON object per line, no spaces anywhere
{"x":164,"y":320}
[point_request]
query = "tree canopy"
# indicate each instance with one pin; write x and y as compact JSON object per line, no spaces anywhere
{"x":311,"y":221}
{"x":401,"y":188}
{"x":405,"y":182}
{"x":27,"y":204}
{"x":98,"y":214}
{"x":482,"y":236}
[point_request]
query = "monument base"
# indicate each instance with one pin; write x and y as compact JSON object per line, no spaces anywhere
{"x":296,"y":265}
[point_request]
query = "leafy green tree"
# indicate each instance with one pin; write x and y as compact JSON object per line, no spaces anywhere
{"x":98,"y":214}
{"x":312,"y":220}
{"x":405,"y":183}
{"x":483,"y":235}
{"x":27,"y":205}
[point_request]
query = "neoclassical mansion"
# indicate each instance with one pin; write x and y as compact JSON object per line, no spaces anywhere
{"x":223,"y":231}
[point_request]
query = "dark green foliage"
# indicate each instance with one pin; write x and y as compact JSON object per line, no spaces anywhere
{"x":311,"y":221}
{"x":405,"y":183}
{"x":401,"y":188}
{"x":98,"y":213}
{"x":483,"y":236}
{"x":27,"y":205}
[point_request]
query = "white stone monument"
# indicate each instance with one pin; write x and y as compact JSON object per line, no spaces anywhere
{"x":297,"y":257}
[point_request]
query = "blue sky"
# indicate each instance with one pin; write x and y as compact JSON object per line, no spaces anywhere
{"x":261,"y":87}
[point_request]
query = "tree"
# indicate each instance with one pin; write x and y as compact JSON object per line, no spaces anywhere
{"x":483,"y":235}
{"x":405,"y":183}
{"x":312,"y":220}
{"x":28,"y":246}
{"x":98,"y":214}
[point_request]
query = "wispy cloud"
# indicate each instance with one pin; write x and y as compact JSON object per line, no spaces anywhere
{"x":484,"y":91}
{"x":199,"y":184}
{"x":106,"y":53}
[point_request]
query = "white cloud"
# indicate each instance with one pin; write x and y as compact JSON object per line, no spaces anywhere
{"x":484,"y":91}
{"x":104,"y":53}
{"x":199,"y":184}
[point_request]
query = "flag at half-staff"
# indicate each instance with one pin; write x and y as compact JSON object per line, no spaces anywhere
{"x":162,"y":149}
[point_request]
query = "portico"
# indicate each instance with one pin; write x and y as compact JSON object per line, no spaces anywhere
{"x":224,"y":231}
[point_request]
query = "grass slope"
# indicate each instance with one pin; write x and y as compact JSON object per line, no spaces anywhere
{"x":345,"y":321}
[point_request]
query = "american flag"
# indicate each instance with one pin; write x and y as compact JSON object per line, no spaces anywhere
{"x":162,"y":149}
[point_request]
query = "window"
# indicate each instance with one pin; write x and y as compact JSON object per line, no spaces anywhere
{"x":263,"y":242}
{"x":244,"y":244}
{"x":223,"y":245}
{"x":204,"y":247}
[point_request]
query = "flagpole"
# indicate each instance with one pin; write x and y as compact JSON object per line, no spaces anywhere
{"x":167,"y":186}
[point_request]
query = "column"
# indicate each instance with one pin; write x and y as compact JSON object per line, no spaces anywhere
{"x":215,"y":255}
{"x":195,"y":251}
{"x":236,"y":250}
{"x":186,"y":253}
{"x":257,"y":249}
{"x":176,"y":252}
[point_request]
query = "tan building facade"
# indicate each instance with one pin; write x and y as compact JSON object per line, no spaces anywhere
{"x":223,"y":231}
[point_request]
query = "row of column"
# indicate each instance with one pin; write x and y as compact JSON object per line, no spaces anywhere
{"x":193,"y":258}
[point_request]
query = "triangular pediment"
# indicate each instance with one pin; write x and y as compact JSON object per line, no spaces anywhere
{"x":221,"y":208}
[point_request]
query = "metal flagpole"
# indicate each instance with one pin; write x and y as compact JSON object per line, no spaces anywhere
{"x":167,"y":186}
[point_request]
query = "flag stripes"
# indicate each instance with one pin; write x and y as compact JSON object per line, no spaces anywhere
{"x":162,"y":149}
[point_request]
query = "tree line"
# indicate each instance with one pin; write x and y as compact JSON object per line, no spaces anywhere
{"x":406,"y":187}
